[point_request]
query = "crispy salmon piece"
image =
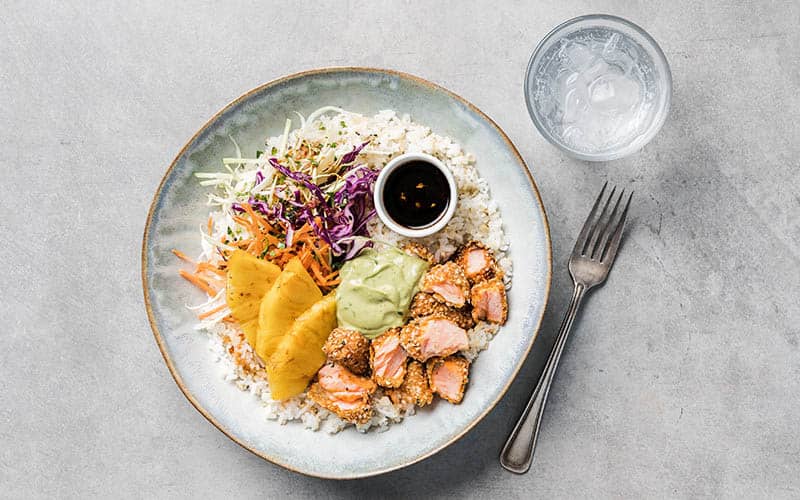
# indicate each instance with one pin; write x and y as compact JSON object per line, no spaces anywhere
{"x":448,"y":377}
{"x":477,"y":261}
{"x":415,"y":390}
{"x":424,"y":304}
{"x":447,"y":283}
{"x":421,"y":251}
{"x":432,"y":336}
{"x":388,"y":359}
{"x":342,"y":392}
{"x":489,"y":301}
{"x":349,"y":349}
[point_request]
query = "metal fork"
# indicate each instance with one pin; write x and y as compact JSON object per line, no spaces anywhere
{"x":589,"y":264}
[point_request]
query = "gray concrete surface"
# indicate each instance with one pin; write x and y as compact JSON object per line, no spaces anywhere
{"x":681,"y":379}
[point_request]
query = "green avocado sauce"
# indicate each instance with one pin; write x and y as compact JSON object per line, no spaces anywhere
{"x":376,"y":290}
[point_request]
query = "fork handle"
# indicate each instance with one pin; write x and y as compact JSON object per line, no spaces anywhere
{"x":517,"y":453}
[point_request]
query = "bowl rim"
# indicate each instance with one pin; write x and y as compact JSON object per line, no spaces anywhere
{"x":655,"y":127}
{"x":160,"y":340}
{"x":380,"y":205}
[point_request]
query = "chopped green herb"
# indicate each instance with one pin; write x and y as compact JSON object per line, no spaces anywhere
{"x":259,"y":153}
{"x":343,"y":124}
{"x":274,"y":150}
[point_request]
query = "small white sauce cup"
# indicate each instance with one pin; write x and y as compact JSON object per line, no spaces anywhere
{"x":380,"y":206}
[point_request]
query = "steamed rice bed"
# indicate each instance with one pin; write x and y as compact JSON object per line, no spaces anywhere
{"x":476,"y":218}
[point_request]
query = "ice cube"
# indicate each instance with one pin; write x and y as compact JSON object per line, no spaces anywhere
{"x":611,"y":44}
{"x":613,"y":94}
{"x":579,"y":56}
{"x":572,"y":105}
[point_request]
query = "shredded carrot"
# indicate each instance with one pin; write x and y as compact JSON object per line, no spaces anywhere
{"x":212,"y":279}
{"x":212,"y":311}
{"x":210,"y":224}
{"x":271,"y":240}
{"x":257,"y":219}
{"x":254,"y":247}
{"x":332,"y":277}
{"x":241,"y":243}
{"x":267,"y":241}
{"x":320,"y":254}
{"x":315,"y":272}
{"x":211,"y":268}
{"x":251,"y":227}
{"x":199,"y":282}
{"x":182,"y":256}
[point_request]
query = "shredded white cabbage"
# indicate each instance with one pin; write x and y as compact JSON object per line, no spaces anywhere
{"x":315,"y":148}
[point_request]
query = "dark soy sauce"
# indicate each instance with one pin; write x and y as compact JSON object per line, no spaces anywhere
{"x":416,"y":194}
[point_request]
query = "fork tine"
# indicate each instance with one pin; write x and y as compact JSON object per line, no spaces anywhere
{"x":596,"y":231}
{"x":580,"y":243}
{"x":610,"y":253}
{"x":605,"y":233}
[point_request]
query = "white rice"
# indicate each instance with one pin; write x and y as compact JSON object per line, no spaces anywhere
{"x":476,"y":218}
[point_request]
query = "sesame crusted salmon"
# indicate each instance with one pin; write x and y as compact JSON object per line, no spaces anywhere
{"x":421,"y":251}
{"x":448,"y":377}
{"x":477,"y":261}
{"x":432,"y":336}
{"x":388,"y":359}
{"x":424,"y":304}
{"x":349,"y":349}
{"x":489,"y":301}
{"x":415,"y":390}
{"x":340,"y":391}
{"x":447,"y":283}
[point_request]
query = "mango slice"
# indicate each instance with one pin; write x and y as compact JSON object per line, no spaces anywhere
{"x":248,"y":280}
{"x":299,"y":355}
{"x":292,"y":293}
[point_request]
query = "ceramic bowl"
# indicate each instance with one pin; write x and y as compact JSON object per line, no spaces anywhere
{"x":179,"y":208}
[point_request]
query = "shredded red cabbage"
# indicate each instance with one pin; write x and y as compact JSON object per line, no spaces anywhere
{"x":351,"y":156}
{"x":300,"y":177}
{"x":340,"y":220}
{"x":256,"y":204}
